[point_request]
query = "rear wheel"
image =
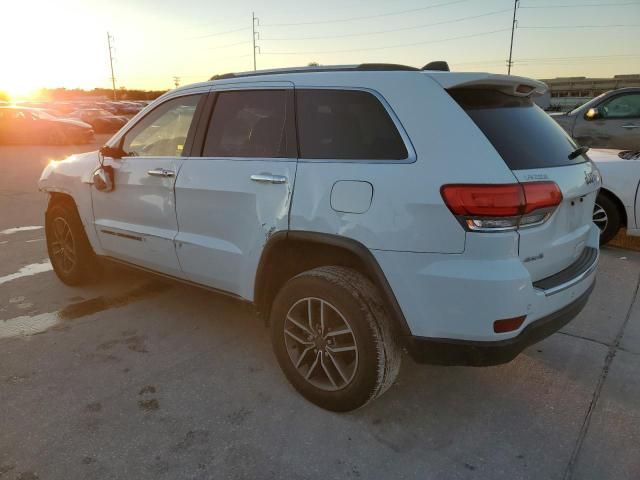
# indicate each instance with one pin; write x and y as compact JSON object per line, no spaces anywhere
{"x":607,"y":217}
{"x":333,"y":339}
{"x":71,"y":255}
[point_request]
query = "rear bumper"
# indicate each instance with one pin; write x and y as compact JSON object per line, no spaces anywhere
{"x":443,"y":351}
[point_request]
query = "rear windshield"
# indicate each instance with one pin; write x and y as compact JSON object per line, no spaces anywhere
{"x":522,"y":133}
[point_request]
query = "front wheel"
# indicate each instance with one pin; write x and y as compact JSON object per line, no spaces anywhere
{"x":607,"y":217}
{"x":333,"y":339}
{"x":71,"y":255}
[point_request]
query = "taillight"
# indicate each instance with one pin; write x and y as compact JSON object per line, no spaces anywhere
{"x":503,"y":206}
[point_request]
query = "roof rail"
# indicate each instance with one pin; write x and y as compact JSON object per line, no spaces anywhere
{"x":370,"y":67}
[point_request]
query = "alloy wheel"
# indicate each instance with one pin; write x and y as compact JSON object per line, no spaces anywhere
{"x":321,"y":344}
{"x":63,"y":245}
{"x":600,"y":217}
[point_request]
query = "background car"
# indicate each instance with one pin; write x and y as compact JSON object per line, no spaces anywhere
{"x":101,"y":120}
{"x":31,"y":125}
{"x":611,"y":120}
{"x":617,"y":203}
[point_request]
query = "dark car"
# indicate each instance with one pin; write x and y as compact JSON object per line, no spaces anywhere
{"x":611,"y":120}
{"x":101,"y":120}
{"x":31,"y":125}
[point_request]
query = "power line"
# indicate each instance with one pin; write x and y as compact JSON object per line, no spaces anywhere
{"x":573,"y":5}
{"x":416,"y":27}
{"x":217,"y":34}
{"x":567,"y":27}
{"x":390,"y":46}
{"x":229,"y":45}
{"x":351,"y":19}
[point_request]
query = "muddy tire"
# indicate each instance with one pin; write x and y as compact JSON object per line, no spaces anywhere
{"x":333,"y":339}
{"x":70,"y":252}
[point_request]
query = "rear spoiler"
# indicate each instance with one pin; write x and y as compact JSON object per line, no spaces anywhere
{"x":509,"y":84}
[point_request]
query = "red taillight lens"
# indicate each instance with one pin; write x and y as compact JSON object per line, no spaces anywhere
{"x":541,"y":195}
{"x":484,"y":200}
{"x":508,"y":324}
{"x":507,"y":206}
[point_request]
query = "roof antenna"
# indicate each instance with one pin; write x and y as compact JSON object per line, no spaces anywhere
{"x":438,"y":65}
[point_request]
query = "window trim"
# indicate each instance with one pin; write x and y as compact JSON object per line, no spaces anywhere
{"x":411,"y":152}
{"x":197,"y":152}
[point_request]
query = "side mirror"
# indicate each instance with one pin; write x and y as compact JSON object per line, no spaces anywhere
{"x":103,"y":179}
{"x":592,"y":114}
{"x":112,"y":152}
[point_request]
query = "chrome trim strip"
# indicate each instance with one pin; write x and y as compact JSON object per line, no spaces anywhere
{"x":574,"y":281}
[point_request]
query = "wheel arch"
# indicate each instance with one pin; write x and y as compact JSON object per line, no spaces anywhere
{"x":620,"y":206}
{"x":287,"y":254}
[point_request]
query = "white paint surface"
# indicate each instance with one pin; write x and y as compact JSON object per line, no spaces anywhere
{"x":27,"y":271}
{"x":27,"y":325}
{"x":10,"y":231}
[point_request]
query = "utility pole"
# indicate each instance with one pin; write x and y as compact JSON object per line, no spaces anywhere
{"x":254,"y":21}
{"x":113,"y":77}
{"x":513,"y":28}
{"x":176,"y":81}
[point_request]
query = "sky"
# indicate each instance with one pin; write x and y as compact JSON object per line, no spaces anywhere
{"x":63,"y":43}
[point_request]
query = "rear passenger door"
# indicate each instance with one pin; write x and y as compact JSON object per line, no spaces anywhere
{"x":234,"y":193}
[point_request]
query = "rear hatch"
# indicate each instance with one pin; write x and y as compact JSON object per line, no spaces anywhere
{"x":537,"y":149}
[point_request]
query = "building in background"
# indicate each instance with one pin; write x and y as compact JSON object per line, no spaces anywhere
{"x":570,"y":92}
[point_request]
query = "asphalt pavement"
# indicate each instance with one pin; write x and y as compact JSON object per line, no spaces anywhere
{"x":134,"y":377}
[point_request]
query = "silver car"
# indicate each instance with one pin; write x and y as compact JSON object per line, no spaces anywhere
{"x":611,"y":120}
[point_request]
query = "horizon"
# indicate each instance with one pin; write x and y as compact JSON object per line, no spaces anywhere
{"x":65,"y":45}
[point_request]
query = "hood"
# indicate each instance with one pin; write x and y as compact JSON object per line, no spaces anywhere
{"x":72,"y":122}
{"x":57,"y":175}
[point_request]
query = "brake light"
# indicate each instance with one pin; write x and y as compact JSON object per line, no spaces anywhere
{"x":502,"y":206}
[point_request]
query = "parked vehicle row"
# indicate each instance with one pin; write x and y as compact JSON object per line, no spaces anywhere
{"x":32,"y":125}
{"x":361,"y":209}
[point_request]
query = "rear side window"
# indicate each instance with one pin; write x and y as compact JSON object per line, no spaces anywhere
{"x":522,"y":133}
{"x":346,"y":125}
{"x":249,"y":123}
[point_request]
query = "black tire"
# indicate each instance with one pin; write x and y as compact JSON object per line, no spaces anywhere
{"x":350,"y":297}
{"x":77,"y":264}
{"x":611,"y":224}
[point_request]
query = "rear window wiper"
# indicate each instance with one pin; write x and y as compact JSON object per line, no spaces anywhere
{"x":577,"y":152}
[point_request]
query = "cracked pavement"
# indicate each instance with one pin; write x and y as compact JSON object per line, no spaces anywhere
{"x":136,"y":377}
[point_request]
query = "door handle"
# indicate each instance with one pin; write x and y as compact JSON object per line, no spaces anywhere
{"x":630,"y":126}
{"x":161,"y":172}
{"x":268,"y":178}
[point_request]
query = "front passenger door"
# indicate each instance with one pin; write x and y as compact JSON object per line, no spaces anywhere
{"x":136,"y":222}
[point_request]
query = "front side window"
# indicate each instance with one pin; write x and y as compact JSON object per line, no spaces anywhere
{"x":163,"y":132}
{"x":249,"y":123}
{"x":622,"y":106}
{"x":346,"y":125}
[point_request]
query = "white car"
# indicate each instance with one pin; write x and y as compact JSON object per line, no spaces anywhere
{"x":616,"y":203}
{"x":361,"y":209}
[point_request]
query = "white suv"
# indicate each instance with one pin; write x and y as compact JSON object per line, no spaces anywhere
{"x":362,"y":209}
